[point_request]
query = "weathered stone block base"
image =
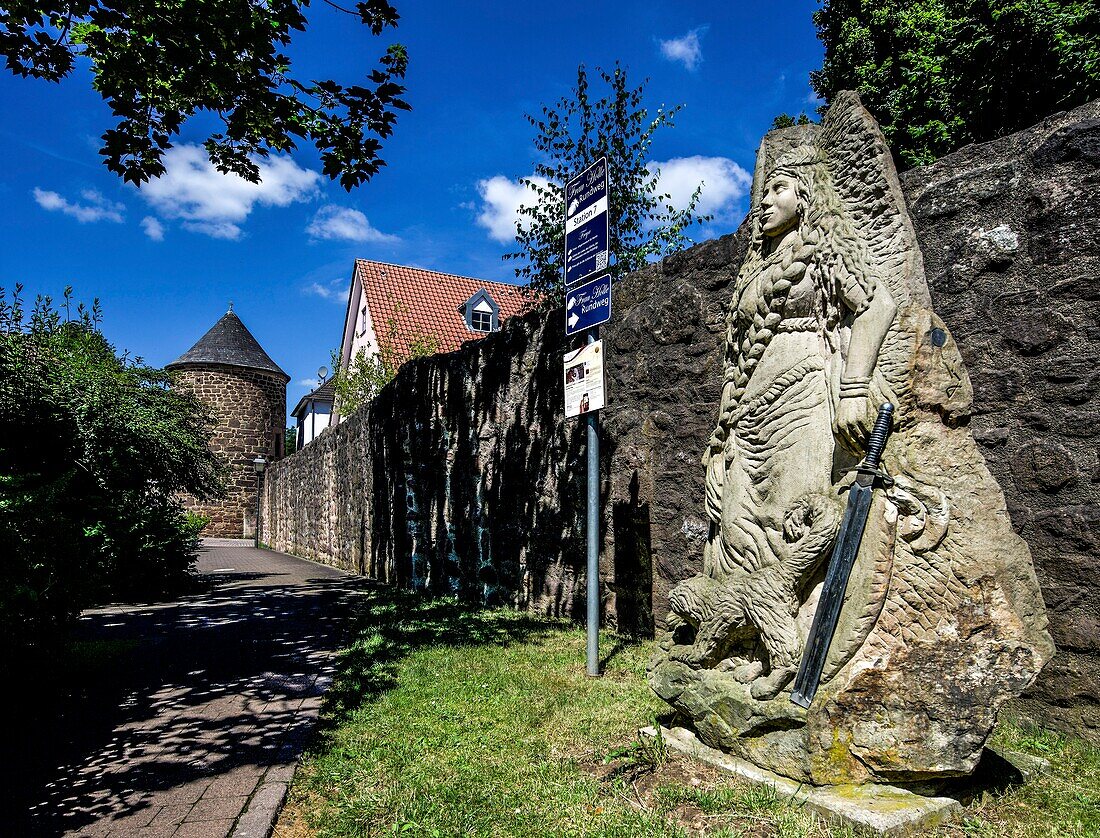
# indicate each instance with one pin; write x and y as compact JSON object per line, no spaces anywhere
{"x":888,"y":810}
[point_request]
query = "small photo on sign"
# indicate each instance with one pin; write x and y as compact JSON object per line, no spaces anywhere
{"x":584,"y":379}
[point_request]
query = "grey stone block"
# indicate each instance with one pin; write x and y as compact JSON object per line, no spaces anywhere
{"x":886,"y":810}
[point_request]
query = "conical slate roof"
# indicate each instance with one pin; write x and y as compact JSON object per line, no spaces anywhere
{"x":229,"y":343}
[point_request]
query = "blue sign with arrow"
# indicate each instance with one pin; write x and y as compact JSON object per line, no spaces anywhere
{"x":588,"y":305}
{"x":586,"y":223}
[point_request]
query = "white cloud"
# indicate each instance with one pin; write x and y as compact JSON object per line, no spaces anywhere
{"x":95,"y":208}
{"x":724,"y":183}
{"x":685,"y":49}
{"x":153,"y":228}
{"x":336,"y":289}
{"x":215,"y":204}
{"x":215,"y":229}
{"x":502,"y":199}
{"x":333,"y":222}
{"x":309,"y":383}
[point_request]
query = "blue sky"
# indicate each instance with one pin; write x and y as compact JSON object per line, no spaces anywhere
{"x":167,"y":258}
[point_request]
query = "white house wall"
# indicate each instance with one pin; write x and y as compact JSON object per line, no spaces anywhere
{"x":358,"y":332}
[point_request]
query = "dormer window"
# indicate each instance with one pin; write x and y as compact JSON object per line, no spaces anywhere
{"x":481,"y":320}
{"x":482,"y":314}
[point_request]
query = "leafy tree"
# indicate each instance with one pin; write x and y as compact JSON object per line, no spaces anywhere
{"x":569,"y":137}
{"x":785,"y":120}
{"x":368,"y":372}
{"x":94,"y":451}
{"x":938,"y":74}
{"x":159,"y":63}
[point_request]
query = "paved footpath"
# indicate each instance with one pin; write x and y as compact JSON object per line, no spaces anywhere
{"x":201,"y":713}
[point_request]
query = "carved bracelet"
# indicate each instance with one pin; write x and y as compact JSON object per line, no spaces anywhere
{"x":855,"y":387}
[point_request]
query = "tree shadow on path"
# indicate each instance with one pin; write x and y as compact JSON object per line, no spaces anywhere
{"x":152,"y":707}
{"x":166,"y":711}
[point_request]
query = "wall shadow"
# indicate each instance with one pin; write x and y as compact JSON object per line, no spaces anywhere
{"x":633,"y":564}
{"x":393,"y":623}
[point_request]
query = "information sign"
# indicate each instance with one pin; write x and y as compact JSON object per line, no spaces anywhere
{"x":586,"y":223}
{"x":588,"y":305}
{"x":584,"y":379}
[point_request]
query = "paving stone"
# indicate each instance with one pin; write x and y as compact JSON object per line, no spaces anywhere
{"x":282,"y":773}
{"x":157,"y":831}
{"x":239,"y":781}
{"x":206,"y":829}
{"x":216,"y":808}
{"x":99,"y":829}
{"x":133,"y":817}
{"x":220,"y":687}
{"x":263,"y":809}
{"x":171,"y":815}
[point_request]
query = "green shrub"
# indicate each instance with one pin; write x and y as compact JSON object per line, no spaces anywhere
{"x":94,"y":450}
{"x":938,"y":74}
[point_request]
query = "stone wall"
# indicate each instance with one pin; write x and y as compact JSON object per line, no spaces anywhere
{"x":463,"y":477}
{"x":450,"y":480}
{"x":250,"y":410}
{"x":1010,"y":232}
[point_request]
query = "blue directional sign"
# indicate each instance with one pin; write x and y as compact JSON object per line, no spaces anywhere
{"x":586,"y":224}
{"x":588,"y":305}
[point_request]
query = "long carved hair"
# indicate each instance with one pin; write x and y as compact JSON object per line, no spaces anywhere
{"x":845,"y":285}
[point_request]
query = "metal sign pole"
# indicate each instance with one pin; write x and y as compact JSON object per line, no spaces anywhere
{"x":593,"y":450}
{"x":587,"y":304}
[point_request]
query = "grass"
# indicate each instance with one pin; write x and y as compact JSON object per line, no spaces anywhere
{"x":445,"y":721}
{"x":1064,"y":803}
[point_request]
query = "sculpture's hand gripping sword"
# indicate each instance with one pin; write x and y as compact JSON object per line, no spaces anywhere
{"x":840,"y":564}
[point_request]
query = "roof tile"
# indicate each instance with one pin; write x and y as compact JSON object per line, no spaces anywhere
{"x":325,"y":392}
{"x":409,"y":303}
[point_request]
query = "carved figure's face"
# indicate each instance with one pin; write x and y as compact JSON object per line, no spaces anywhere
{"x":779,"y":205}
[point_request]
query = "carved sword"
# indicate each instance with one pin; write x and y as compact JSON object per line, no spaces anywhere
{"x":840,"y":564}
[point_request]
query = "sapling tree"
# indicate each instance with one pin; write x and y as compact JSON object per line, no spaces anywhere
{"x":372,"y":368}
{"x":570,"y":135}
{"x":785,"y":120}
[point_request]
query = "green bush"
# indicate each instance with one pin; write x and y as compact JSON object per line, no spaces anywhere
{"x":938,"y":74}
{"x":94,"y":450}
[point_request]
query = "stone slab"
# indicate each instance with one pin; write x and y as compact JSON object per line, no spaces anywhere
{"x":258,"y":820}
{"x":888,"y":810}
{"x":1030,"y":767}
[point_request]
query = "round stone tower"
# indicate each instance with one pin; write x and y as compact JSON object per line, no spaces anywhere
{"x":229,"y":371}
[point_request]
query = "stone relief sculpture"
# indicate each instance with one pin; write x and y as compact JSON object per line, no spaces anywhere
{"x":943,"y":620}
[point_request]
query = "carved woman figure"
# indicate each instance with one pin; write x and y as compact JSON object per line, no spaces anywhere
{"x":943,"y":619}
{"x":805,"y":327}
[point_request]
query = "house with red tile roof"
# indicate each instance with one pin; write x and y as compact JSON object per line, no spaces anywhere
{"x":393,"y":306}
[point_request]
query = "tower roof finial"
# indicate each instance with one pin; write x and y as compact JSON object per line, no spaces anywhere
{"x":230,"y":306}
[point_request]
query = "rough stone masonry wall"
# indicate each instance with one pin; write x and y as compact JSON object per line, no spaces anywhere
{"x":1010,"y":232}
{"x":463,"y":477}
{"x":449,"y":480}
{"x":250,"y":410}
